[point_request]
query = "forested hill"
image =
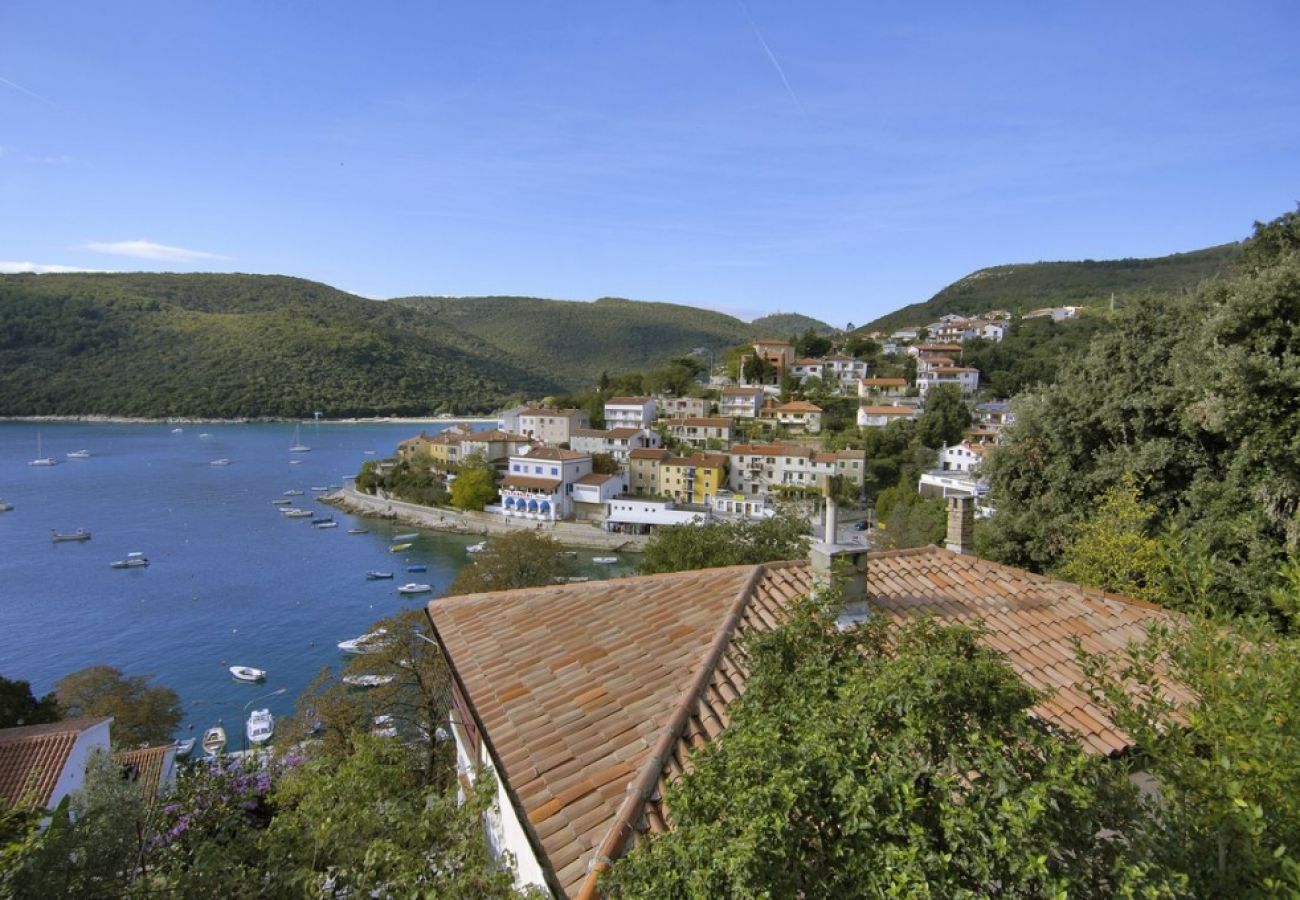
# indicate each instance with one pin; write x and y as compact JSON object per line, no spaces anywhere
{"x":575,"y":341}
{"x":783,"y":325}
{"x":236,"y":345}
{"x":1019,"y":288}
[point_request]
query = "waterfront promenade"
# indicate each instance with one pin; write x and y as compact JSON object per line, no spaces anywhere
{"x":572,"y":534}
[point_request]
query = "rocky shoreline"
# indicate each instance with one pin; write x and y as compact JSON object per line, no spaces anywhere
{"x":570,"y":534}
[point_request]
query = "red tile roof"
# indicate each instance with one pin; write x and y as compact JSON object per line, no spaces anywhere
{"x":625,"y":432}
{"x":889,"y":410}
{"x":658,"y":453}
{"x":148,"y":765}
{"x":741,"y":391}
{"x":798,"y":406}
{"x":628,"y":401}
{"x":554,"y":454}
{"x":592,"y":696}
{"x":594,"y":478}
{"x":700,"y":422}
{"x":884,"y":382}
{"x":32,"y":758}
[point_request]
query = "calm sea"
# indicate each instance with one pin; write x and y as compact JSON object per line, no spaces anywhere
{"x":231,"y":581}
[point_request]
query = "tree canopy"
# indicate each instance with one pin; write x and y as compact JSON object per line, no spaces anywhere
{"x":725,"y":543}
{"x":142,"y":715}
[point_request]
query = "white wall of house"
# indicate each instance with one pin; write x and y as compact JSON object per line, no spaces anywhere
{"x":959,"y":458}
{"x":73,"y":777}
{"x":966,"y":379}
{"x":638,"y":511}
{"x":876,"y":417}
{"x":638,"y":414}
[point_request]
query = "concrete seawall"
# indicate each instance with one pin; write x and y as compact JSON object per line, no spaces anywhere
{"x":571,"y":534}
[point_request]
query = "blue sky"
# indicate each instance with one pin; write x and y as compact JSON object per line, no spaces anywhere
{"x":835,"y":159}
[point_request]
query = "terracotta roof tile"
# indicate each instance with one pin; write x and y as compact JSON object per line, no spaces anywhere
{"x":586,"y":742}
{"x":529,"y":483}
{"x":149,"y":764}
{"x":32,"y":758}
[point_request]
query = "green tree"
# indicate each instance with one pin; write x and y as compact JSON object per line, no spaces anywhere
{"x":18,"y":706}
{"x":877,"y":762}
{"x":605,"y":464}
{"x":812,"y":345}
{"x":142,"y":715}
{"x":1113,"y":550}
{"x":726,"y":543}
{"x":909,"y":520}
{"x":945,"y":419}
{"x":516,"y":560}
{"x":475,"y":484}
{"x":1221,"y":752}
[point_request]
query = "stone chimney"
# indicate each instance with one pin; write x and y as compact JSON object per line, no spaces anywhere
{"x":961,"y":524}
{"x":830,"y":561}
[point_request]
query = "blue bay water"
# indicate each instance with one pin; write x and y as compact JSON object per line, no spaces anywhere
{"x":231,"y":581}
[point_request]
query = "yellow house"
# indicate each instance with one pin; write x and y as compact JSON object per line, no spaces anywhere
{"x":643,"y":469}
{"x":693,"y":479}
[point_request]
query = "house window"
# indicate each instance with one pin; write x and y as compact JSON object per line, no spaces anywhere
{"x":537,"y":470}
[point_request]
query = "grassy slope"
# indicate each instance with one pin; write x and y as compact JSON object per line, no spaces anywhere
{"x":1022,"y":287}
{"x":576,"y":341}
{"x":234,"y":345}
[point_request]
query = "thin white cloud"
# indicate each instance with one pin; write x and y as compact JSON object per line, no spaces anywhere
{"x":19,"y":87}
{"x":9,"y":267}
{"x":150,"y":250}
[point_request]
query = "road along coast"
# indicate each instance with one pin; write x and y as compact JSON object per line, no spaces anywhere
{"x":571,"y":534}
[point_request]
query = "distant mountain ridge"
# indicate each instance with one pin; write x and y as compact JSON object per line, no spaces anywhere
{"x":1022,"y":287}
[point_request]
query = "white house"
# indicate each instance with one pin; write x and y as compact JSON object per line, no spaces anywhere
{"x":551,"y":426}
{"x":964,"y":378}
{"x":870,"y":416}
{"x":684,"y":407}
{"x":630,"y":412}
{"x":845,"y":370}
{"x":741,"y":402}
{"x":882,"y":387}
{"x":638,"y":515}
{"x":592,"y":493}
{"x":797,"y":415}
{"x":803,"y":369}
{"x":699,"y":430}
{"x":758,"y":468}
{"x":617,"y":442}
{"x":539,"y":485}
{"x":963,"y":457}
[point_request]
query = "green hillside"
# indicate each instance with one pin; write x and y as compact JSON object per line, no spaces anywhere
{"x":574,"y":341}
{"x":235,"y":345}
{"x":1018,"y":288}
{"x":783,"y":325}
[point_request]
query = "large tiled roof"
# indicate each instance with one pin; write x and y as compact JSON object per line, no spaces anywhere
{"x":649,"y":453}
{"x":700,"y":421}
{"x":628,"y":401}
{"x":889,"y":410}
{"x":530,"y":483}
{"x":592,"y":696}
{"x":884,"y":382}
{"x":148,"y":764}
{"x":553,"y":453}
{"x":32,"y":758}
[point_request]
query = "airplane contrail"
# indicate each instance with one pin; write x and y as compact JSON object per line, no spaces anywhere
{"x":770,"y":55}
{"x":19,"y":87}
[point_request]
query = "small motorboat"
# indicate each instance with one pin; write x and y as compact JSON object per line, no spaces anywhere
{"x":220,"y":462}
{"x":419,"y":568}
{"x":295,"y":513}
{"x":320,"y":489}
{"x":317,"y":520}
{"x":214,"y":740}
{"x":404,"y":537}
{"x":283,"y":501}
{"x":295,"y":462}
{"x":368,"y":680}
{"x":398,"y":548}
{"x":412,"y":587}
{"x":185,"y":748}
{"x":605,"y":560}
{"x":248,"y":673}
{"x":134,"y":560}
{"x":375,"y":575}
{"x":60,"y":537}
{"x":205,"y":435}
{"x":5,"y":506}
{"x":78,"y":454}
{"x":476,"y":548}
{"x":368,"y":452}
{"x":260,"y":726}
{"x":178,"y":431}
{"x":366,"y":643}
{"x":328,"y":523}
{"x":292,"y":493}
{"x":358,"y":531}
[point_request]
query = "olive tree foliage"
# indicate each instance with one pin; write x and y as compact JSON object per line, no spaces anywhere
{"x":518,"y":560}
{"x":726,"y":543}
{"x":945,"y":419}
{"x":883,"y":763}
{"x":1195,"y":397}
{"x":1227,"y":807}
{"x":142,"y":715}
{"x":475,"y":484}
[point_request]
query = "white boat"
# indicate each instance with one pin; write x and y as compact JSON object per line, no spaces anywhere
{"x":260,"y":727}
{"x":384,"y":726}
{"x":404,"y":537}
{"x":358,"y":531}
{"x":605,"y":560}
{"x":476,"y":548}
{"x":412,"y":587}
{"x":398,"y":548}
{"x":330,"y":524}
{"x":292,"y":493}
{"x":214,"y":740}
{"x":60,"y":537}
{"x":368,"y":680}
{"x":366,"y":643}
{"x":42,"y":460}
{"x":295,"y":462}
{"x":205,"y":435}
{"x":220,"y":462}
{"x":5,"y":506}
{"x":368,"y":452}
{"x":248,"y":673}
{"x":298,"y":445}
{"x":283,"y":501}
{"x":178,"y":431}
{"x":320,"y":489}
{"x":376,"y":575}
{"x":292,"y":512}
{"x":78,"y":454}
{"x":185,"y":748}
{"x":134,"y":560}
